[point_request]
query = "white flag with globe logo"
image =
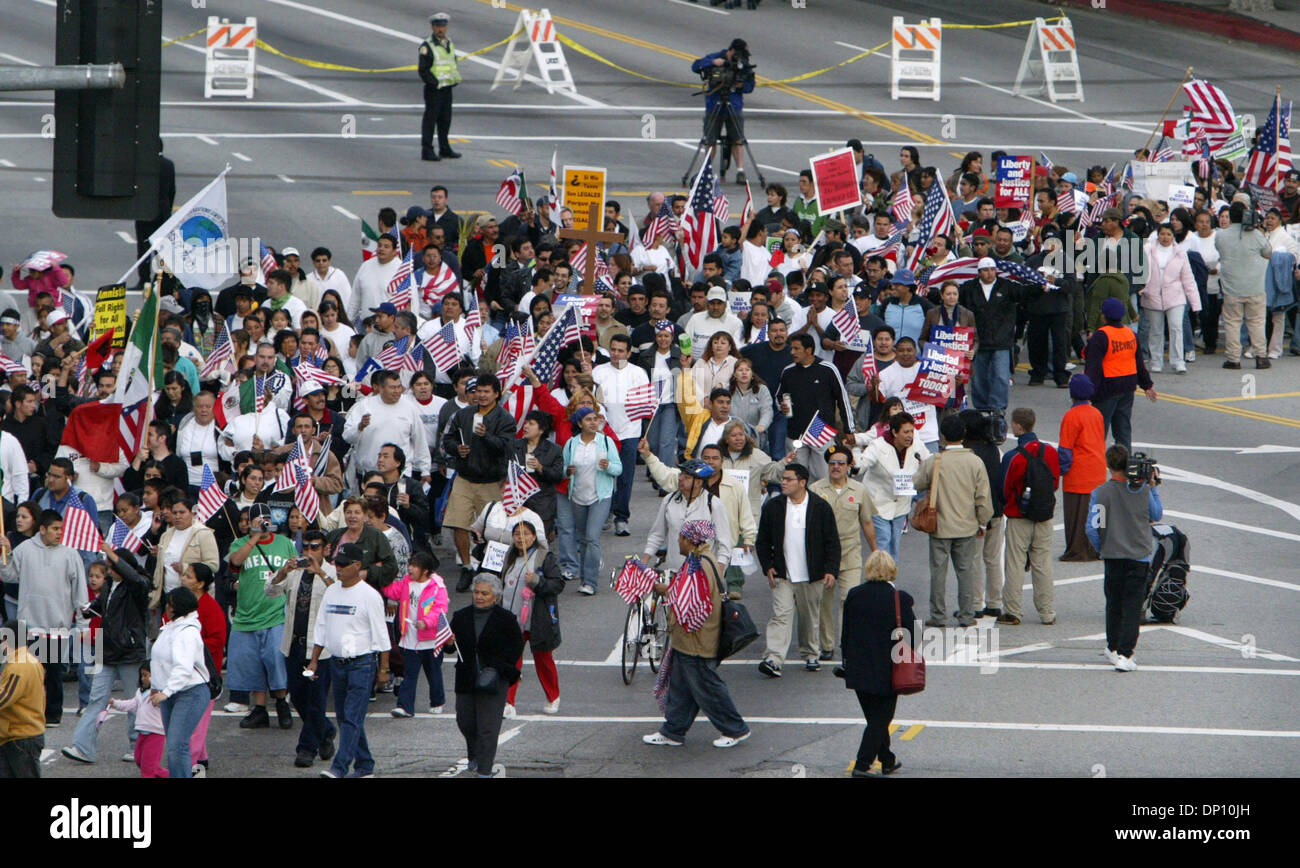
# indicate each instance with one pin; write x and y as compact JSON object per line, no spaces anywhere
{"x":195,"y":242}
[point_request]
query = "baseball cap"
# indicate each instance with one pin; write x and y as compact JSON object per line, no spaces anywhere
{"x":439,"y":18}
{"x":1292,"y":175}
{"x":309,"y":387}
{"x":863,"y":291}
{"x":986,"y":262}
{"x":980,"y":233}
{"x":739,"y":44}
{"x":385,"y":307}
{"x":291,"y":251}
{"x":55,"y":316}
{"x":716,"y":294}
{"x":904,"y":276}
{"x":347,"y":554}
{"x":1071,"y":177}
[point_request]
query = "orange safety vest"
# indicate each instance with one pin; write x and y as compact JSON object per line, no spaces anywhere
{"x":1121,"y":355}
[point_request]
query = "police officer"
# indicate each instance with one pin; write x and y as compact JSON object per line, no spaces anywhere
{"x":440,"y":74}
{"x":1114,"y":365}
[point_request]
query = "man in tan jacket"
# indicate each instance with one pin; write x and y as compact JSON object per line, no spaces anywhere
{"x":959,"y":487}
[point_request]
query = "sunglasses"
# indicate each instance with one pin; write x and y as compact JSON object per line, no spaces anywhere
{"x":314,"y":545}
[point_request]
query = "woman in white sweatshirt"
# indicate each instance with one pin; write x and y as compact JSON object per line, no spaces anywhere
{"x":180,"y":678}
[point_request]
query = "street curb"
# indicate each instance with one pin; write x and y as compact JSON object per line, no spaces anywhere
{"x":1220,"y":23}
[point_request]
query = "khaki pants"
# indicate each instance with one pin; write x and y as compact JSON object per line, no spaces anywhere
{"x":1035,"y":538}
{"x":849,"y":578}
{"x":1279,"y":334}
{"x":791,"y":598}
{"x":962,"y":552}
{"x":988,"y":591}
{"x":1252,"y":307}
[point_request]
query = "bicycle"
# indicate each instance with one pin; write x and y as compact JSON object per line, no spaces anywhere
{"x":645,"y":628}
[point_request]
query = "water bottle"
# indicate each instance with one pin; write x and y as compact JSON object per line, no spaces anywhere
{"x":1024,"y":498}
{"x":684,"y":341}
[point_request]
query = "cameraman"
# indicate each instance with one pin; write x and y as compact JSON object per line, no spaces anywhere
{"x":1243,"y":259}
{"x":728,"y":70}
{"x":1120,"y":513}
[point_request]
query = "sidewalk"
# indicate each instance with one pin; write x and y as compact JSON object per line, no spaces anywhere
{"x":1278,"y":28}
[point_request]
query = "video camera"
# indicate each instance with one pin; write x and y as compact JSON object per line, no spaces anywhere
{"x":737,"y":70}
{"x":1141,"y":469}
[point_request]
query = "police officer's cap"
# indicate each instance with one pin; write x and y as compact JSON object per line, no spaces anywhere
{"x":440,"y":18}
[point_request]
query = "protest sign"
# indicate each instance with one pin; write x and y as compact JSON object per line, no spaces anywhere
{"x":1015,"y":182}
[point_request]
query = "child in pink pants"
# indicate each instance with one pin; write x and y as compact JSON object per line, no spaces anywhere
{"x":151,"y":741}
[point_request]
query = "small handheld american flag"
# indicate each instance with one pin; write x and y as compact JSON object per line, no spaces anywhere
{"x":222,"y":352}
{"x":512,"y":192}
{"x":819,"y":435}
{"x":441,"y":347}
{"x":690,"y":595}
{"x":444,"y":634}
{"x":401,"y":289}
{"x":79,"y":531}
{"x":403,"y":354}
{"x":211,"y":497}
{"x":518,"y":488}
{"x":305,"y":496}
{"x":121,"y":536}
{"x":635,"y":580}
{"x":268,"y":261}
{"x":641,"y":402}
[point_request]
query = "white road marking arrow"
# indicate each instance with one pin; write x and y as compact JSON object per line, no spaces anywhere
{"x":1246,"y":651}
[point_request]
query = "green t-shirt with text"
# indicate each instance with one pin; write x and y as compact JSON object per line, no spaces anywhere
{"x":254,"y":610}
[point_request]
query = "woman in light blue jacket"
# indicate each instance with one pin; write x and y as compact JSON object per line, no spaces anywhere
{"x":592,"y":466}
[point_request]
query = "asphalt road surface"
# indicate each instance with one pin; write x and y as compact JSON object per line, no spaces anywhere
{"x":1215,"y":695}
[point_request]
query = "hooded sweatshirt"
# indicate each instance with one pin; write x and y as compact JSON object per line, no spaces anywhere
{"x":52,"y":584}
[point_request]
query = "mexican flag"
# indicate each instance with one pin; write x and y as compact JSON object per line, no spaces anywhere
{"x":142,"y":371}
{"x":248,"y":389}
{"x":369,"y":241}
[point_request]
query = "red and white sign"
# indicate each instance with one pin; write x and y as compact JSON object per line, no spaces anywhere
{"x":836,"y":177}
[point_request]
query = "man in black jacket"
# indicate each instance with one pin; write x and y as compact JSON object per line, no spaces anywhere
{"x":405,"y":494}
{"x":994,"y":301}
{"x":1049,"y":318}
{"x":544,"y":462}
{"x":813,"y":387}
{"x":123,"y":604}
{"x":479,"y":439}
{"x":799,"y":550}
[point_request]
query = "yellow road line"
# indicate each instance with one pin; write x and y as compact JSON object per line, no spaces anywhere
{"x":883,"y":123}
{"x":381,"y":192}
{"x":1255,"y":397}
{"x":1235,"y":411}
{"x":913,"y":731}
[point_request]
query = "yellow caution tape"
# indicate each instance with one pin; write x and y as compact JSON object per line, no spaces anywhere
{"x":853,"y":59}
{"x":183,"y":38}
{"x":1025,"y":23}
{"x":594,"y":56}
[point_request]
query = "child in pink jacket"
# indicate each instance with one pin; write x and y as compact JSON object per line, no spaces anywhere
{"x":151,"y":740}
{"x":423,"y":605}
{"x":51,"y":280}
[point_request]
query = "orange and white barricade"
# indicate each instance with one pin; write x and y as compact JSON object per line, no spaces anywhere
{"x":915,"y":56}
{"x":231,"y":65}
{"x":1055,"y":69}
{"x":535,"y":38}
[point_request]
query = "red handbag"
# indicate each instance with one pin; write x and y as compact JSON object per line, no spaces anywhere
{"x":908,"y":673}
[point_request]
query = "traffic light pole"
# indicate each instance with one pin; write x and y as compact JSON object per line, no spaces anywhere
{"x":86,"y":76}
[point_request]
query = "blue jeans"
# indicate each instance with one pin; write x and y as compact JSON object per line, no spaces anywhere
{"x":623,"y":488}
{"x":566,"y":537}
{"x":662,"y":434}
{"x":413,"y":661}
{"x":1117,"y":417}
{"x":587,"y":522}
{"x":775,"y":435}
{"x":694,"y":686}
{"x":888,"y":532}
{"x":181,"y":714}
{"x":86,"y":738}
{"x":310,"y":698}
{"x":990,"y":379}
{"x":352,"y":681}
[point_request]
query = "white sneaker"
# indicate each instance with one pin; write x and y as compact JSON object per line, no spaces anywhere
{"x":587,"y":591}
{"x":509,"y":712}
{"x":658,"y":738}
{"x":235,"y":708}
{"x":1248,"y":354}
{"x":435,"y":709}
{"x":1111,"y":657}
{"x":128,"y":757}
{"x":199,"y":771}
{"x":1070,"y":366}
{"x":1124,"y":664}
{"x":401,"y":712}
{"x":1277,"y":354}
{"x":728,"y":741}
{"x":1189,"y":356}
{"x":552,"y":707}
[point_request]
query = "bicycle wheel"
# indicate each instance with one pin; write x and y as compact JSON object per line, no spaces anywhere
{"x":659,"y":637}
{"x":631,"y":641}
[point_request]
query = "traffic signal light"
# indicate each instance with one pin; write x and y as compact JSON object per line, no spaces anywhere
{"x":106,"y":141}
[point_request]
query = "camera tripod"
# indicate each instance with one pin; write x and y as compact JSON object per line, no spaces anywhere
{"x":714,"y":123}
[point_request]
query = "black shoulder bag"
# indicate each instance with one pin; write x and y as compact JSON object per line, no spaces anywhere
{"x":738,"y":628}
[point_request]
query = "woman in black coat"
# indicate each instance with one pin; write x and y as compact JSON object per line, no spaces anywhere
{"x":488,"y":639}
{"x":531,"y":581}
{"x":869,"y":622}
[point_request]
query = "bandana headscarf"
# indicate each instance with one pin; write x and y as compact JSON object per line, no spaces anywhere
{"x":698,"y":531}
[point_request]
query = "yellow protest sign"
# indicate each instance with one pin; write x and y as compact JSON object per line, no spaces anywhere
{"x":110,"y":313}
{"x":584,"y":186}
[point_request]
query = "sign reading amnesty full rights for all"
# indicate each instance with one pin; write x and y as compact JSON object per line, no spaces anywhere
{"x":836,"y":177}
{"x":584,"y":186}
{"x":110,"y":313}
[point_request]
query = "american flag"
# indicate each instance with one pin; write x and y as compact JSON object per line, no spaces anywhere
{"x":690,"y":595}
{"x":444,"y":634}
{"x":1045,"y":161}
{"x":79,"y":530}
{"x":401,"y":289}
{"x":306,"y":372}
{"x":305,"y":496}
{"x":898,"y":233}
{"x":473,"y":316}
{"x":579,"y":260}
{"x":846,"y":322}
{"x":1163,"y":153}
{"x":819,"y":435}
{"x":1093,"y":214}
{"x":437,"y":286}
{"x":1022,"y":273}
{"x":121,"y":536}
{"x":640,"y":402}
{"x":518,"y":488}
{"x":700,"y":223}
{"x":288,"y":477}
{"x":222,"y":352}
{"x":211,"y":497}
{"x":1067,"y":204}
{"x":761,"y":336}
{"x":662,"y":222}
{"x":268,"y":260}
{"x":1211,"y":109}
{"x":512,"y":353}
{"x":441,"y":347}
{"x":936,"y":219}
{"x":869,"y":362}
{"x":42,"y":260}
{"x":1270,"y":159}
{"x":512,"y":193}
{"x":9,"y":366}
{"x":635,"y":580}
{"x":747,"y":212}
{"x":552,"y":194}
{"x":904,"y":201}
{"x":564,"y":332}
{"x":403,"y":354}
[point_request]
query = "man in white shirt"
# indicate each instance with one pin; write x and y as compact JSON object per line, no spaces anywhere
{"x":278,"y":297}
{"x":262,"y":430}
{"x":197,"y":439}
{"x":386,"y":417}
{"x":370,"y":286}
{"x":755,"y":260}
{"x":894,"y":382}
{"x":13,"y":462}
{"x":882,"y":225}
{"x":713,"y":319}
{"x":654,"y":258}
{"x":616,"y":380}
{"x":325,"y":276}
{"x":452,"y":306}
{"x":350,"y":626}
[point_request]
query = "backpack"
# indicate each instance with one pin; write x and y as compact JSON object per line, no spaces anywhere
{"x":1167,"y":592}
{"x":1040,"y":485}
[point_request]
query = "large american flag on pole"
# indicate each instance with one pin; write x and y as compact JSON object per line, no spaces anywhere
{"x":700,"y":223}
{"x":936,"y":219}
{"x":211,"y":497}
{"x":441,"y":347}
{"x":564,"y":332}
{"x":79,"y":531}
{"x":818,"y":435}
{"x":401,"y":289}
{"x":518,"y":488}
{"x":1270,"y":159}
{"x":1211,"y":109}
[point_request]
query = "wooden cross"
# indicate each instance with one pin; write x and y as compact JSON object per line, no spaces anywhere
{"x":591,"y":235}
